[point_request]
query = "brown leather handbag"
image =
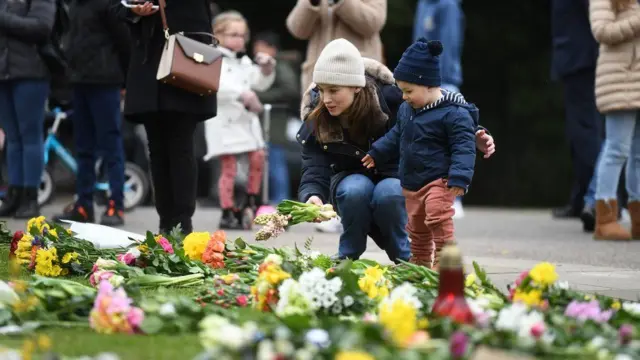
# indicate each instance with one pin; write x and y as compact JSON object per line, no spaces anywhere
{"x":187,"y":63}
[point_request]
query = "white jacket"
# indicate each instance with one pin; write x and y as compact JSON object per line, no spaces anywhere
{"x":236,"y":130}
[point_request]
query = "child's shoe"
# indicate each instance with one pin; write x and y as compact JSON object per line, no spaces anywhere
{"x":229,"y":220}
{"x":76,"y":212}
{"x":607,"y":226}
{"x":112,"y":216}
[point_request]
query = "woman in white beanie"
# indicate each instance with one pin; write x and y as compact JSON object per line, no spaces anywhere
{"x":351,"y":103}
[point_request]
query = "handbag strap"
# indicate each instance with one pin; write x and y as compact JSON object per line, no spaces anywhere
{"x":165,"y":26}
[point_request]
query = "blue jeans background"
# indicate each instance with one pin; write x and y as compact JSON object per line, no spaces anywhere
{"x":361,"y":204}
{"x":622,"y":144}
{"x":97,"y":125}
{"x":279,"y":185}
{"x":22,"y":118}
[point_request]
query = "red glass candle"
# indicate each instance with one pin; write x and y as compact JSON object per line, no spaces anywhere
{"x":450,"y":301}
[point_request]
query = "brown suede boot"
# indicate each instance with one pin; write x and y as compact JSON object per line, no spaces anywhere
{"x":607,"y":226}
{"x":634,"y":211}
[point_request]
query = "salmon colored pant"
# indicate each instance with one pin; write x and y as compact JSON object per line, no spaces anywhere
{"x":430,"y":221}
{"x":227,"y":179}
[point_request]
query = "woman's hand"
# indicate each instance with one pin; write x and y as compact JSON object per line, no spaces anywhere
{"x":368,"y":161}
{"x":267,"y":63}
{"x":315,"y":201}
{"x":485,"y":143}
{"x":456,"y":191}
{"x":145,"y":9}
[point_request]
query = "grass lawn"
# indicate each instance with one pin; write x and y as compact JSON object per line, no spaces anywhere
{"x":83,"y":341}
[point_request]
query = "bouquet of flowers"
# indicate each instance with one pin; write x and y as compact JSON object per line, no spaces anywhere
{"x":290,"y":213}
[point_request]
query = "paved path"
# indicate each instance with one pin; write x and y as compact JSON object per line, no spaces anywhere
{"x":505,"y":242}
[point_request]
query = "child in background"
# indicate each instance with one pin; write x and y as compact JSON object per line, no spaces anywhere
{"x":236,"y":128}
{"x":435,"y":135}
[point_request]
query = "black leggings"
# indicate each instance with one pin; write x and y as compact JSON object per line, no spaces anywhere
{"x":173,"y":167}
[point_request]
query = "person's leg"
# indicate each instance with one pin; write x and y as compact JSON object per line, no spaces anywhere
{"x":422,"y":245}
{"x":439,"y":202}
{"x":226,"y":186}
{"x":84,"y":136}
{"x":29,"y":101}
{"x":353,"y":197}
{"x":279,"y":187}
{"x":390,"y":216}
{"x":104,"y":104}
{"x":184,"y":170}
{"x":13,"y":146}
{"x":160,"y":168}
{"x":588,"y":215}
{"x":633,"y":181}
{"x":583,"y":129}
{"x":620,"y":131}
{"x":254,"y":181}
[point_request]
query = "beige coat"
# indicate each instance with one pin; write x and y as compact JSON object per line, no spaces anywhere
{"x":359,"y":21}
{"x":618,"y":68}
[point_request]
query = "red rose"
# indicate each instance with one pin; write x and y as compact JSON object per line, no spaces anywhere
{"x":14,"y":243}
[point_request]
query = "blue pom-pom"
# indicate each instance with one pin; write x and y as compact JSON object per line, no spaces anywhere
{"x":435,"y":47}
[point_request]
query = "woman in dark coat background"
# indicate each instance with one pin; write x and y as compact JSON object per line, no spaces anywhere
{"x":169,"y":114}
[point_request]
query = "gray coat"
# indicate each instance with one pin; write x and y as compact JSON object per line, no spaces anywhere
{"x":22,"y":28}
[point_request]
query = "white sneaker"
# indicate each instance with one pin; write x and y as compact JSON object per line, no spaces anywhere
{"x":457,"y":207}
{"x":332,"y":226}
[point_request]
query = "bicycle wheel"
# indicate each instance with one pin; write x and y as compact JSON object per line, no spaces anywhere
{"x":46,"y":189}
{"x":136,"y":186}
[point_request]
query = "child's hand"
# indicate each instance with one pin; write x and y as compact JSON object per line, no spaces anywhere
{"x":251,"y":102}
{"x":456,"y":191}
{"x":484,"y":142}
{"x":368,"y":161}
{"x":266,"y":63}
{"x":145,"y":9}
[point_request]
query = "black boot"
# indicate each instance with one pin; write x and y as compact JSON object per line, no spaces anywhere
{"x":11,"y":201}
{"x":29,"y":207}
{"x":588,"y":217}
{"x":76,"y":212}
{"x":229,"y":220}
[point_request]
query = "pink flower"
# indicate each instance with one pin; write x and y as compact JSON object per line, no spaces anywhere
{"x":242,"y":300}
{"x":99,"y":275}
{"x":626,"y":334}
{"x":135,"y":317}
{"x":520,"y":279}
{"x":166,"y":245}
{"x":537,"y":330}
{"x":126,"y":258}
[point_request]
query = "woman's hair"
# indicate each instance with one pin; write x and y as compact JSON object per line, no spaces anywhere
{"x":621,"y":5}
{"x":222,"y":20}
{"x":362,"y":115}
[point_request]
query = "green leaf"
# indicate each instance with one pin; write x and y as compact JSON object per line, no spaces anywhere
{"x":240,"y":244}
{"x":155,"y":261}
{"x":151,"y":240}
{"x":151,"y":325}
{"x":174,"y":258}
{"x":297,"y":323}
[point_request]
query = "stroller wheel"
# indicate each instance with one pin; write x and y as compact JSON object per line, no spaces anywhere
{"x":247,"y":218}
{"x":46,"y":188}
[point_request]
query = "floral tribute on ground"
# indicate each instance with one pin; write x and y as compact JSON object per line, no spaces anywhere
{"x":245,"y":301}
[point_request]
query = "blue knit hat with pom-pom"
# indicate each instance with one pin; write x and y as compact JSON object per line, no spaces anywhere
{"x":420,"y":63}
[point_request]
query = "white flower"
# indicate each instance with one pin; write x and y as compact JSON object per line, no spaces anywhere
{"x":116,"y":280}
{"x":564,"y":285}
{"x":623,"y":357}
{"x":632,"y":307}
{"x":336,"y":308}
{"x":597,"y":342}
{"x":284,"y":347}
{"x":135,"y":252}
{"x":321,"y":291}
{"x":167,"y":309}
{"x":348,"y":301}
{"x":104,"y":264}
{"x":407,"y":292}
{"x":218,"y":331}
{"x":481,"y":311}
{"x":292,"y":300}
{"x":527,"y":322}
{"x":274,"y":258}
{"x":304,"y":354}
{"x":7,"y":294}
{"x":266,"y":350}
{"x":509,"y":317}
{"x":318,"y":337}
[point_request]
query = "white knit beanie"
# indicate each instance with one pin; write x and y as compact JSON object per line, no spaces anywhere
{"x":339,"y":63}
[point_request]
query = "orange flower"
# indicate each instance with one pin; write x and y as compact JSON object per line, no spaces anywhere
{"x":213,"y":254}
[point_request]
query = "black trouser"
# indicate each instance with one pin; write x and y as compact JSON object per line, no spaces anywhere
{"x":584,"y":131}
{"x":173,"y":167}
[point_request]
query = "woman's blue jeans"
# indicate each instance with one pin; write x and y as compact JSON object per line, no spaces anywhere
{"x":361,"y":204}
{"x":622,"y":145}
{"x":22,"y":118}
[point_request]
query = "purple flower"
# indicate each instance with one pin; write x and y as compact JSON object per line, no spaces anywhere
{"x":458,"y":344}
{"x":626,"y":334}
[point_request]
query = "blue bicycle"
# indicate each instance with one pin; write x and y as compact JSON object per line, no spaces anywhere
{"x":136,"y":185}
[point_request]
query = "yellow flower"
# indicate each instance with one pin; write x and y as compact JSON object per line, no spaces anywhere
{"x":423,"y":323}
{"x":26,"y":305}
{"x":195,"y":244}
{"x":544,"y":274}
{"x":46,"y":263}
{"x":23,"y":252}
{"x":531,"y":298}
{"x":470,"y":280}
{"x":44,"y":342}
{"x":616,"y":305}
{"x":274,"y":274}
{"x":353,"y":355}
{"x":373,"y":283}
{"x":37,"y":222}
{"x":53,"y":232}
{"x":28,"y":347}
{"x":143,"y":248}
{"x":69,"y":257}
{"x":399,"y":318}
